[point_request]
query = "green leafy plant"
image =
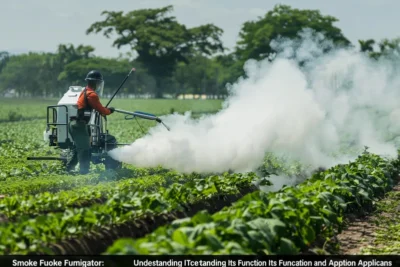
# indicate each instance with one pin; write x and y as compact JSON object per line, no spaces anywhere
{"x":126,"y":203}
{"x":284,"y":222}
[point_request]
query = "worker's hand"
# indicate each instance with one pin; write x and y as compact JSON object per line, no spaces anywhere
{"x":111,"y":110}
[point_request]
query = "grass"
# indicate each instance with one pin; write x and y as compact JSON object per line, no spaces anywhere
{"x":387,"y":238}
{"x":22,"y":122}
{"x":16,"y":109}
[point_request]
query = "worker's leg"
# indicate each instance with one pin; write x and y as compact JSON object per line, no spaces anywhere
{"x":84,"y":156}
{"x":81,"y":137}
{"x":71,"y":155}
{"x":72,"y":159}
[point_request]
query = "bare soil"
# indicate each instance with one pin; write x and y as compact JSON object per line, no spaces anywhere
{"x":362,"y":232}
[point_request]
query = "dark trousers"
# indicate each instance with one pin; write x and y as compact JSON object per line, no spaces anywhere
{"x":80,"y":134}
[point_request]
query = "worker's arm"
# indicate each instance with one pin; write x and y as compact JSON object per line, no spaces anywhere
{"x":94,"y":101}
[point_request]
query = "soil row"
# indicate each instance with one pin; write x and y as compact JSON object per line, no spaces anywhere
{"x":96,"y":242}
{"x":364,"y":230}
{"x":376,"y":232}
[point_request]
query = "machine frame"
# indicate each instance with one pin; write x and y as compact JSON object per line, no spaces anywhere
{"x":58,"y":135}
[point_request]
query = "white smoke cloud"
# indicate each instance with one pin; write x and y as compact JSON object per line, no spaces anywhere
{"x":307,"y":113}
{"x":278,"y":182}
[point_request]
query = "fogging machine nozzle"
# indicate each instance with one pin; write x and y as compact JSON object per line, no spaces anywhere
{"x":147,"y":116}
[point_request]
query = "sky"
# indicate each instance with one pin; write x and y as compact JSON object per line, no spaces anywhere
{"x":42,"y":25}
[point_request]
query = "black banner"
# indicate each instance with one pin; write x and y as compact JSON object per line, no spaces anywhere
{"x":200,"y":261}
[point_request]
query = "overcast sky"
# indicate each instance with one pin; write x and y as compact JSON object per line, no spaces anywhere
{"x":41,"y":25}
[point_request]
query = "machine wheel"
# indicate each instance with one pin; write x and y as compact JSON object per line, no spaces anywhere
{"x":110,"y":163}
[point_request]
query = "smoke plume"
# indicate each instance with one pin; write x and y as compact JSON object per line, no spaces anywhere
{"x":306,"y":104}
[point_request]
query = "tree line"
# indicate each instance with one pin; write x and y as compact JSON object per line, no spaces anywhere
{"x":169,"y":57}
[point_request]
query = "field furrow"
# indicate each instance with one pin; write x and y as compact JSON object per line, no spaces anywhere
{"x":56,"y":183}
{"x":283,"y":222}
{"x":96,"y":242}
{"x":28,"y":235}
{"x":32,"y":205}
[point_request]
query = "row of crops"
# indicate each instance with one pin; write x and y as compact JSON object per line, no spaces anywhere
{"x":161,"y":211}
{"x":169,"y":213}
{"x":288,"y":221}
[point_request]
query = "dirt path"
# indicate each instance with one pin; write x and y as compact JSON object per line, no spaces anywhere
{"x":375,"y":234}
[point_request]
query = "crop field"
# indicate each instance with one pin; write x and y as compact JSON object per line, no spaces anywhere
{"x":44,"y":210}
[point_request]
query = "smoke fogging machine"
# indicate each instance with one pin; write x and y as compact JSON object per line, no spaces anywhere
{"x":57,"y":131}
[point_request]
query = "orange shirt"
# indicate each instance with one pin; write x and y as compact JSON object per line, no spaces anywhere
{"x":93,"y":100}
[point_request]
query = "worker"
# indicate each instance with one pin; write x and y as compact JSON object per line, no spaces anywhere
{"x":87,"y":102}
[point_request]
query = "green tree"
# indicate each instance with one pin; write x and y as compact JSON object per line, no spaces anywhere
{"x":30,"y":74}
{"x":4,"y":57}
{"x":231,"y":70}
{"x":367,"y":46}
{"x":67,"y":53}
{"x":195,"y":76}
{"x":113,"y":70}
{"x":158,"y":39}
{"x":283,"y":21}
{"x":388,"y":48}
